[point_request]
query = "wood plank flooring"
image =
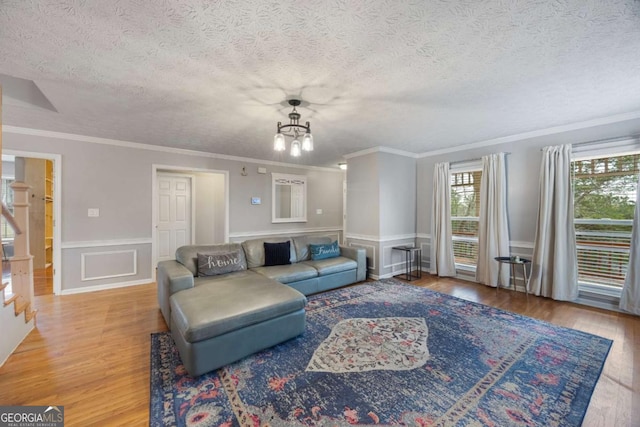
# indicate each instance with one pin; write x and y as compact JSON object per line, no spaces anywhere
{"x":43,"y":281}
{"x":90,"y":353}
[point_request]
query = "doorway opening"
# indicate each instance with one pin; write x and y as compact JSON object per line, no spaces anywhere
{"x":42,"y":173}
{"x":190,"y":206}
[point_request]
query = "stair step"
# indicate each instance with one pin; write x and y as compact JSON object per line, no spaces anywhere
{"x":10,"y":300}
{"x":30,"y":315}
{"x":20,"y":306}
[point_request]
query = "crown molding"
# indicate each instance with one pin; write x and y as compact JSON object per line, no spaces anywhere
{"x":381,"y":150}
{"x":536,"y":133}
{"x":172,"y":150}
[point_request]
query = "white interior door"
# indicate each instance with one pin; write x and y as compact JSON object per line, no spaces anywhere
{"x":173,"y":226}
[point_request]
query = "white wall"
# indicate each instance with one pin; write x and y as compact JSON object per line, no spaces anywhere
{"x":210,"y":208}
{"x":381,"y":204}
{"x":363,"y":196}
{"x":117,"y":179}
{"x":8,"y":169}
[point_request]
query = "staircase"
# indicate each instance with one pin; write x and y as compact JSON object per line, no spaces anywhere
{"x":17,"y":320}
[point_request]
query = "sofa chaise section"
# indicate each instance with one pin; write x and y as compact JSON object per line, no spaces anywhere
{"x":222,"y":321}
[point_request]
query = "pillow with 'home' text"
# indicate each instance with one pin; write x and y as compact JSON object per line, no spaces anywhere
{"x":325,"y":251}
{"x":219,"y":263}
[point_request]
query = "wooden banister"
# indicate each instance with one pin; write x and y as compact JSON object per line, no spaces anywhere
{"x":10,"y":219}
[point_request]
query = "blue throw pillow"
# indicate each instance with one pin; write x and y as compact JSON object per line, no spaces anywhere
{"x":330,"y":250}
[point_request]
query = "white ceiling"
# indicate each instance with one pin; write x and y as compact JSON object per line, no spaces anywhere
{"x":410,"y":75}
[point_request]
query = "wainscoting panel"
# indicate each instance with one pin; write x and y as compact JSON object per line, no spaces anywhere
{"x":424,"y":240}
{"x":393,"y":261}
{"x":107,"y":265}
{"x":382,"y":260}
{"x":334,"y":233}
{"x":371,"y":254}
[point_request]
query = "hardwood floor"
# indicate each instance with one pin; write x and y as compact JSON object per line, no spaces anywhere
{"x":90,"y":353}
{"x":43,"y":281}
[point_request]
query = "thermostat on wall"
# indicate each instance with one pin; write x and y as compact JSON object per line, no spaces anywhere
{"x":255,"y":200}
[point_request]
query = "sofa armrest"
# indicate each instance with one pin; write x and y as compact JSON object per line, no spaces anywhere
{"x":359,"y":255}
{"x":171,"y":277}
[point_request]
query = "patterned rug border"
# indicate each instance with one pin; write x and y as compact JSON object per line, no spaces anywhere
{"x":158,"y":395}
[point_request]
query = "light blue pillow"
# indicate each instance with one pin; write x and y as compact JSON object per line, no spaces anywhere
{"x":325,"y":251}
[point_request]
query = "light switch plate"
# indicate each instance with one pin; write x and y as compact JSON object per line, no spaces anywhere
{"x":93,"y":212}
{"x":318,"y":211}
{"x":256,"y":201}
{"x":262,"y":170}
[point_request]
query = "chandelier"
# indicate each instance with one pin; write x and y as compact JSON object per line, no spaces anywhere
{"x":294,"y":129}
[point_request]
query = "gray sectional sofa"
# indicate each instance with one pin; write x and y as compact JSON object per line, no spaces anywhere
{"x":221,"y":318}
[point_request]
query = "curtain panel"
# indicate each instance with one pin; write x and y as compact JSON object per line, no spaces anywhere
{"x":441,"y":255}
{"x":493,"y":227}
{"x":555,"y":260}
{"x":630,"y":300}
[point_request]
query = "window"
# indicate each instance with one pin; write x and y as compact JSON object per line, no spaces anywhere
{"x":7,"y":199}
{"x":604,"y":203}
{"x":465,"y":210}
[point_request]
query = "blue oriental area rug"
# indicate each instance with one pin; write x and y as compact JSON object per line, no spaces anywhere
{"x":393,"y":354}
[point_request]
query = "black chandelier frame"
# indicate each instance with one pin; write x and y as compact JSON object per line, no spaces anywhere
{"x":293,"y":128}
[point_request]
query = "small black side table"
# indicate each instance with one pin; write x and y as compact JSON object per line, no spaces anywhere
{"x":514,"y":261}
{"x":409,"y":253}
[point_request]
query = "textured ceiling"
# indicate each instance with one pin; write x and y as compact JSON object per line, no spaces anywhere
{"x":411,"y":75}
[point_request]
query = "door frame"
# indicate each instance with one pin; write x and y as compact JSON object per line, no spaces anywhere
{"x":57,"y":210}
{"x":192,"y":196}
{"x":184,"y":171}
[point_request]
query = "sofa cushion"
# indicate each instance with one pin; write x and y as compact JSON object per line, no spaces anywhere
{"x":254,"y":250}
{"x":332,"y":265}
{"x":301,"y":245}
{"x":220,"y":263}
{"x":219,"y":307}
{"x":188,"y":255}
{"x":236,"y":275}
{"x":330,"y":250}
{"x":287,"y":273}
{"x":277,"y":253}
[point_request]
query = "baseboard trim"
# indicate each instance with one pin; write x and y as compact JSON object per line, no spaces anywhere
{"x":105,"y":287}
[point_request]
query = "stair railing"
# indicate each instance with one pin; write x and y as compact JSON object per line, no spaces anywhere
{"x":22,"y":260}
{"x":6,"y":213}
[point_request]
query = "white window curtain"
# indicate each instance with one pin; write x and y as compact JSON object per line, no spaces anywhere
{"x":493,"y":227}
{"x":441,"y":260}
{"x":555,"y":261}
{"x":630,"y":300}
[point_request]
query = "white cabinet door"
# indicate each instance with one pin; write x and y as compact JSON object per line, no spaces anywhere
{"x":174,"y":214}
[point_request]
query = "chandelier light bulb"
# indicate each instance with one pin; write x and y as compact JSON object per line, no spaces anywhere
{"x":307,"y":142}
{"x":295,"y":148}
{"x":279,"y":143}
